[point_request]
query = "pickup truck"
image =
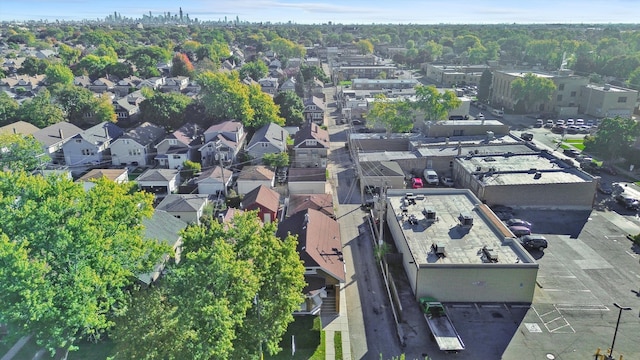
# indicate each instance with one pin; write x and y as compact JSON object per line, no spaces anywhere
{"x":440,"y":325}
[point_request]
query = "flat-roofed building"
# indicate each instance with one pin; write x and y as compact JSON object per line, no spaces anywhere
{"x":386,"y":84}
{"x":365,"y":71}
{"x":526,"y":180}
{"x":607,"y":101}
{"x":455,"y":249}
{"x":451,"y":75}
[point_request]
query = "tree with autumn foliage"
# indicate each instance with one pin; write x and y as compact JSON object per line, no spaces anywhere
{"x":181,"y":65}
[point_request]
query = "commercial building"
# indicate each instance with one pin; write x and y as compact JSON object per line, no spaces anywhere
{"x":455,"y":249}
{"x":607,"y":101}
{"x":564,"y":101}
{"x":452,"y":75}
{"x":533,"y":179}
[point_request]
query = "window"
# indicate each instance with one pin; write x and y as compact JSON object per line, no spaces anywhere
{"x":561,"y":87}
{"x":173,"y":142}
{"x":311,"y":142}
{"x":559,"y":98}
{"x":176,"y":157}
{"x":622,"y":99}
{"x":78,"y":141}
{"x":573,"y":94}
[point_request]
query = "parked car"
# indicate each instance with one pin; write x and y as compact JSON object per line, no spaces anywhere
{"x":446,"y":181}
{"x":560,"y":122}
{"x":550,"y":123}
{"x":628,"y":201}
{"x":416,"y":183}
{"x":609,"y":170}
{"x":579,"y":122}
{"x":518,"y":222}
{"x":571,"y":152}
{"x":570,"y":122}
{"x":480,"y":116}
{"x":526,"y":136}
{"x":532,"y":242}
{"x":502,"y":212}
{"x":497,"y":113}
{"x":357,"y":122}
{"x":573,"y":129}
{"x":605,"y":188}
{"x":590,"y":122}
{"x":539,"y":123}
{"x":519,"y":231}
{"x":558,"y":129}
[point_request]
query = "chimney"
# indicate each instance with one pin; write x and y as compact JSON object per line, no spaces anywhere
{"x":106,"y":131}
{"x":15,"y":131}
{"x":61,"y":134}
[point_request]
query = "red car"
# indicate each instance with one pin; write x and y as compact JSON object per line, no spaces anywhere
{"x":416,"y":183}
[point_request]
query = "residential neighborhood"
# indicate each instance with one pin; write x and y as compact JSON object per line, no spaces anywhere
{"x":314,"y":194}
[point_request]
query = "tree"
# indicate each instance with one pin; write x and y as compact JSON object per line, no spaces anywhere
{"x":20,"y":152}
{"x":68,"y":55}
{"x":189,"y":168}
{"x":253,"y":283}
{"x":94,"y":66}
{"x":8,"y":109}
{"x":225,"y":97}
{"x":393,"y":114}
{"x":291,"y":107}
{"x":532,"y":90}
{"x":103,"y":109}
{"x":68,"y":255}
{"x":265,"y":110}
{"x":255,"y":70}
{"x":33,"y":66}
{"x":433,"y":104}
{"x":40,"y":112}
{"x":76,"y":101}
{"x":613,"y":139}
{"x":299,"y":84}
{"x":311,"y":72}
{"x":484,"y":86}
{"x":365,"y":47}
{"x":146,"y":58}
{"x":181,"y":65}
{"x":633,"y":81}
{"x":165,"y":109}
{"x":286,"y":48}
{"x":276,"y":160}
{"x":59,"y":74}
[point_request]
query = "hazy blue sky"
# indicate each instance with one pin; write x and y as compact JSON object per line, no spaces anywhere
{"x":339,"y":11}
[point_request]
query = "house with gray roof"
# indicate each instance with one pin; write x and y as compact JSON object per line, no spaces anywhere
{"x":186,"y":207}
{"x":310,"y":146}
{"x":159,"y":181}
{"x":91,"y":147}
{"x":222,"y":142}
{"x":180,"y":146}
{"x":314,"y":110}
{"x":269,"y":139}
{"x":19,"y":127}
{"x":136,"y":147}
{"x":53,"y":137}
{"x":165,"y":229}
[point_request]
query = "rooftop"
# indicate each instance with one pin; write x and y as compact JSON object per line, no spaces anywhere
{"x":462,"y":244}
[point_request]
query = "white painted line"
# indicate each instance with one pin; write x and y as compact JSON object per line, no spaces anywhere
{"x":631,"y":254}
{"x":583,"y":291}
{"x":558,"y":318}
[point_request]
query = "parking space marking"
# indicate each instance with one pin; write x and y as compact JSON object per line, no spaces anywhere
{"x":554,"y":321}
{"x":631,"y":254}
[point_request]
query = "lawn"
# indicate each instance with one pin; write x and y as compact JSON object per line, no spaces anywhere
{"x":308,"y":337}
{"x":576,"y":143}
{"x":337,"y":344}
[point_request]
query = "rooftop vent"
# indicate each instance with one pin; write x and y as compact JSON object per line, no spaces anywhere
{"x":538,"y":175}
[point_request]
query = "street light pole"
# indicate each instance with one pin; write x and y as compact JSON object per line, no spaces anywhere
{"x":616,"y":331}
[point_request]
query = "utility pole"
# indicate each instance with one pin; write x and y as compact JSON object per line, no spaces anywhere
{"x":381,"y":207}
{"x":224,"y":182}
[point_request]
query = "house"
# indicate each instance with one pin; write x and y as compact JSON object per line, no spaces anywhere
{"x":101,"y":85}
{"x":179,"y":146}
{"x":21,"y":83}
{"x":214,"y":180}
{"x":314,"y":110}
{"x":264,"y":200}
{"x":118,"y":176}
{"x":126,"y":85}
{"x":186,"y":207}
{"x":381,"y":174}
{"x":307,"y":180}
{"x":320,"y":249}
{"x":159,"y":181}
{"x":136,"y":147}
{"x":310,"y":146}
{"x":54,"y":136}
{"x":269,"y":85}
{"x":269,"y":139}
{"x":319,"y":202}
{"x":317,"y":88}
{"x":127,"y":109}
{"x":288,"y":85}
{"x":253,"y":176}
{"x":222,"y":143}
{"x":175,"y":84}
{"x":91,"y":147}
{"x":165,"y":229}
{"x":19,"y":127}
{"x":82,"y":81}
{"x":153,"y":82}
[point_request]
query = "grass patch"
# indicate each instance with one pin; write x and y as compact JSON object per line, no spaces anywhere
{"x":344,"y":82}
{"x":309,"y":338}
{"x":337,"y":344}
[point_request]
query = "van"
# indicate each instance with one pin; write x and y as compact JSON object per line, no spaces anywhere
{"x":431,"y":177}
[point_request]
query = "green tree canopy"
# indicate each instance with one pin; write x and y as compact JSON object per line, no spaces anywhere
{"x":254,"y":69}
{"x":8,"y":109}
{"x":181,"y":65}
{"x":613,"y":139}
{"x":393,"y":114}
{"x":68,"y":255}
{"x":33,"y":66}
{"x":165,"y":109}
{"x":59,"y":74}
{"x":20,"y":153}
{"x":146,"y":58}
{"x":68,"y":55}
{"x":291,"y":107}
{"x":433,"y":104}
{"x":531,"y":90}
{"x":40,"y":111}
{"x":252,"y":285}
{"x":484,"y":86}
{"x":286,"y":48}
{"x":364,"y":47}
{"x":275,"y":160}
{"x":265,"y":110}
{"x":225,"y":97}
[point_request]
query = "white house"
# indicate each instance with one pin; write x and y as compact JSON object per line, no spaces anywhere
{"x":186,"y":207}
{"x":159,"y":181}
{"x":136,"y":147}
{"x":89,"y":148}
{"x":223,"y":142}
{"x":179,"y":146}
{"x":253,"y":176}
{"x":214,"y":180}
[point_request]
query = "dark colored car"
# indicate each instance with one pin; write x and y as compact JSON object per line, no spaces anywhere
{"x":609,"y":170}
{"x":571,"y":152}
{"x":518,"y":222}
{"x":628,"y":202}
{"x":605,"y":188}
{"x":520,"y":231}
{"x":534,"y":242}
{"x":526,"y":136}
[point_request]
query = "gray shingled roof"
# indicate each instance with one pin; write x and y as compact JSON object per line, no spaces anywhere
{"x":146,"y":134}
{"x":157,"y":175}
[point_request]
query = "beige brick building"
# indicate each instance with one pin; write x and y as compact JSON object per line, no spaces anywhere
{"x":607,"y":101}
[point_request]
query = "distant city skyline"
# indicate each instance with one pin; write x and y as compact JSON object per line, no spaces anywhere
{"x":337,"y":11}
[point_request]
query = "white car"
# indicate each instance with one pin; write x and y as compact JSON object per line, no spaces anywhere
{"x":559,"y":122}
{"x":446,"y":181}
{"x":570,"y":122}
{"x":480,"y":116}
{"x":579,"y":122}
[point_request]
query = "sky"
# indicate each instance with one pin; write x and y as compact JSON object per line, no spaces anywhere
{"x":338,"y":11}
